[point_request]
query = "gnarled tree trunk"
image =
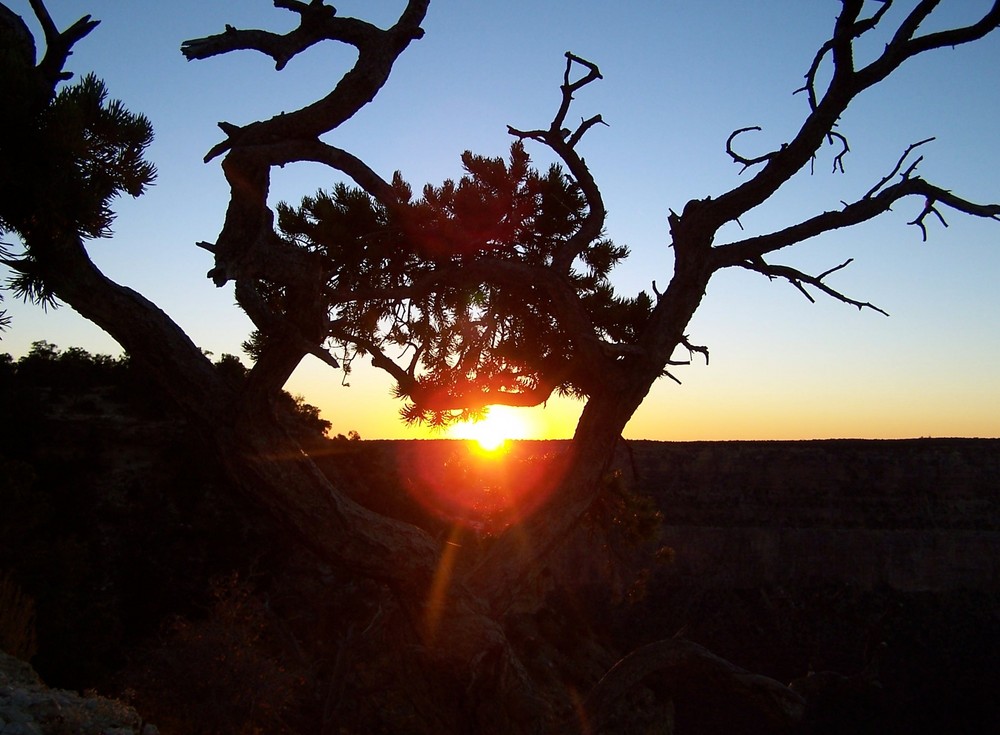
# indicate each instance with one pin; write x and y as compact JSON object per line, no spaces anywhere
{"x":456,"y":618}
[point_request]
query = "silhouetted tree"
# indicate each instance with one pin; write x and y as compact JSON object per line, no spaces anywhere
{"x":496,"y":285}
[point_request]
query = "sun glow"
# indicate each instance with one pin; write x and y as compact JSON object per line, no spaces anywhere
{"x":490,"y":478}
{"x":494,"y":433}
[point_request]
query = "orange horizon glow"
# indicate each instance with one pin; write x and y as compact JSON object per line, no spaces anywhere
{"x":726,"y":402}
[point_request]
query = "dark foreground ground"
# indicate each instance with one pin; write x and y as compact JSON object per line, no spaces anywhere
{"x":784,"y":557}
{"x":791,"y":558}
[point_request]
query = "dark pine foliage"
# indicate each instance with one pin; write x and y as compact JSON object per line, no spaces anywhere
{"x":63,"y":162}
{"x":394,"y":286}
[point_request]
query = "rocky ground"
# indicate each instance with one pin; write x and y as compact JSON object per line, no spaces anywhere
{"x":28,"y":707}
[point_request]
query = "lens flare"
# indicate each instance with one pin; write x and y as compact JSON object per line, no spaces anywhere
{"x":485,"y":492}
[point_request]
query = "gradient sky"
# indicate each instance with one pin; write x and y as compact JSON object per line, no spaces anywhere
{"x":678,"y":78}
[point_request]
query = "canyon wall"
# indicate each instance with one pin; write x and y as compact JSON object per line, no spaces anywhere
{"x":920,"y":514}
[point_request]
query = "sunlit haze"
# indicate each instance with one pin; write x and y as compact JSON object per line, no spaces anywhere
{"x":502,"y":423}
{"x":678,"y":79}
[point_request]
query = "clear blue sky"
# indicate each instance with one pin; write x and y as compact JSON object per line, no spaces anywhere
{"x":678,"y":78}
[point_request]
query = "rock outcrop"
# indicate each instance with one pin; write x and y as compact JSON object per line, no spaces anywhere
{"x":28,"y":707}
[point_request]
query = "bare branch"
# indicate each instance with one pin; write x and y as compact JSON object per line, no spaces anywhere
{"x":693,"y":349}
{"x":800,"y":280}
{"x":899,"y":164}
{"x":877,"y":200}
{"x":936,"y":196}
{"x":737,"y":158}
{"x":844,"y":33}
{"x":905,"y":45}
{"x":569,"y":87}
{"x":838,"y":160}
{"x":317,"y":23}
{"x":404,"y":377}
{"x":58,"y":45}
{"x":845,"y":84}
{"x":919,"y":221}
{"x":868,"y":207}
{"x":667,"y":374}
{"x":247,"y":245}
{"x":336,"y":158}
{"x":912,"y":22}
{"x":45,"y":20}
{"x":562,"y":142}
{"x":585,"y":125}
{"x":558,"y":132}
{"x":377,"y":52}
{"x":859,"y":27}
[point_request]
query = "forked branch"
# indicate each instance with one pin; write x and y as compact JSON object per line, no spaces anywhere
{"x":562,"y":141}
{"x":853,"y":28}
{"x":898,"y":167}
{"x":557,"y":131}
{"x":934,"y":196}
{"x":800,"y":280}
{"x":377,"y":51}
{"x":318,"y":22}
{"x":58,"y":44}
{"x":846,"y":82}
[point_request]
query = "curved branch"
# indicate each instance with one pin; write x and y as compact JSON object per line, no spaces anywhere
{"x":247,"y":245}
{"x":317,"y":151}
{"x":377,"y":52}
{"x":318,"y":22}
{"x":737,"y":158}
{"x":474,"y":397}
{"x":934,"y":196}
{"x":694,"y":349}
{"x":404,"y":377}
{"x":838,"y":160}
{"x":682,"y":666}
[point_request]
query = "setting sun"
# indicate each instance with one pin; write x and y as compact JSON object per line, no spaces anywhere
{"x":501,"y":425}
